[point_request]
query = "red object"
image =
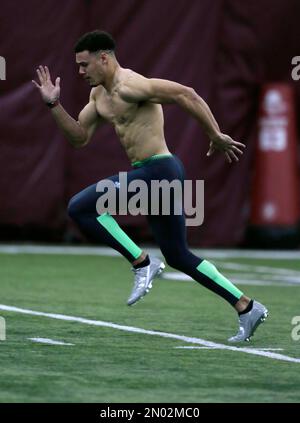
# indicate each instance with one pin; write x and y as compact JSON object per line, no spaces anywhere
{"x":275,"y":197}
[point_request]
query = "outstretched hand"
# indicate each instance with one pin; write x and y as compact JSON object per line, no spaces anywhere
{"x":224,"y":143}
{"x":49,"y":92}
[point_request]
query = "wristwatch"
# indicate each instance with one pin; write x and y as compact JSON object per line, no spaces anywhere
{"x":52,"y":104}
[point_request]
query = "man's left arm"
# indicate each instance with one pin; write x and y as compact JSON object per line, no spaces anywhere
{"x":167,"y":92}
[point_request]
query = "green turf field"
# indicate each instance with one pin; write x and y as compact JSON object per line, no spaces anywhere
{"x":108,"y":365}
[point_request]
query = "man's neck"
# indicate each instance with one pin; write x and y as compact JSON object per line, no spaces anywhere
{"x":112,"y":77}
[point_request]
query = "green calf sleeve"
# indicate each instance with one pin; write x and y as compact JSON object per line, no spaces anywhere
{"x":109,"y":223}
{"x":209,"y":270}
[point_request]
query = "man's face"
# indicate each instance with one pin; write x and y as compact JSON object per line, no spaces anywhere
{"x":92,"y":66}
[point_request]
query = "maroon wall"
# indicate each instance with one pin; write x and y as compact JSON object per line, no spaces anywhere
{"x":225,"y":49}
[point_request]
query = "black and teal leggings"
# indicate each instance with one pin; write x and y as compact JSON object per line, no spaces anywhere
{"x":169,"y":230}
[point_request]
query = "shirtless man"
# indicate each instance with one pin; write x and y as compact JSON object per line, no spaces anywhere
{"x":132,"y":104}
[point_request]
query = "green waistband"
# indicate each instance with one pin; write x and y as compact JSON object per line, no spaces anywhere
{"x":150,"y":159}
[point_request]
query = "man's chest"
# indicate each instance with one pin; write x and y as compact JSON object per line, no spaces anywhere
{"x":113,"y":109}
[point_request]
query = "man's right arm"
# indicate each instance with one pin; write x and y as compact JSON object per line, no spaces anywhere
{"x":77,"y":132}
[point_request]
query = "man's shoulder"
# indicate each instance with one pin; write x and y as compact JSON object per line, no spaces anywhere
{"x":129,"y":76}
{"x":95,"y":92}
{"x":131,"y":85}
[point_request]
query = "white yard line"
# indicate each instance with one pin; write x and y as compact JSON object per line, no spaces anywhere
{"x":189,"y":347}
{"x":269,"y":349}
{"x":266,"y":276}
{"x":199,"y":341}
{"x":104,"y":251}
{"x":289,"y":275}
{"x":259,"y":269}
{"x":239,"y":279}
{"x":256,"y":282}
{"x":51,"y":249}
{"x":49,"y":341}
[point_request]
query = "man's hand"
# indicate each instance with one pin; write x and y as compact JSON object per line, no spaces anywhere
{"x":224,"y":143}
{"x":49,"y":92}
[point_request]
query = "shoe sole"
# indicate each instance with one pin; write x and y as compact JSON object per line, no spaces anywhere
{"x":158,"y":273}
{"x":259,"y":321}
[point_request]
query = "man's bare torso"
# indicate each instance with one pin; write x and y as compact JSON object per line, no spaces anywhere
{"x":139,"y":126}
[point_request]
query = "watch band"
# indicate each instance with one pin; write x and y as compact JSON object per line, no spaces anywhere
{"x":52,"y":104}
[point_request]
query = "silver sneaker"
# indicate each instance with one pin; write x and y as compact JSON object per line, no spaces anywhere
{"x":143,"y":279}
{"x":249,"y":322}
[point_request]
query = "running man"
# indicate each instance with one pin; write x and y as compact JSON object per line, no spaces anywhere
{"x":132,"y":104}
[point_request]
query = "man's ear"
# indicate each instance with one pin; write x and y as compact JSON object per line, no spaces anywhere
{"x":103,"y":57}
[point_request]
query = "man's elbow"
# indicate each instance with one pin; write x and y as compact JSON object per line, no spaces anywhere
{"x":191,"y":94}
{"x":81,"y":139}
{"x":80,"y":142}
{"x":187,"y":95}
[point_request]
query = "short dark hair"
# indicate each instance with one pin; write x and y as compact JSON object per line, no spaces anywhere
{"x":95,"y":41}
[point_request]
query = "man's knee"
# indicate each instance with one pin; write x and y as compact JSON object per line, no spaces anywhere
{"x":180,"y":258}
{"x":172,"y":262}
{"x":173,"y":258}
